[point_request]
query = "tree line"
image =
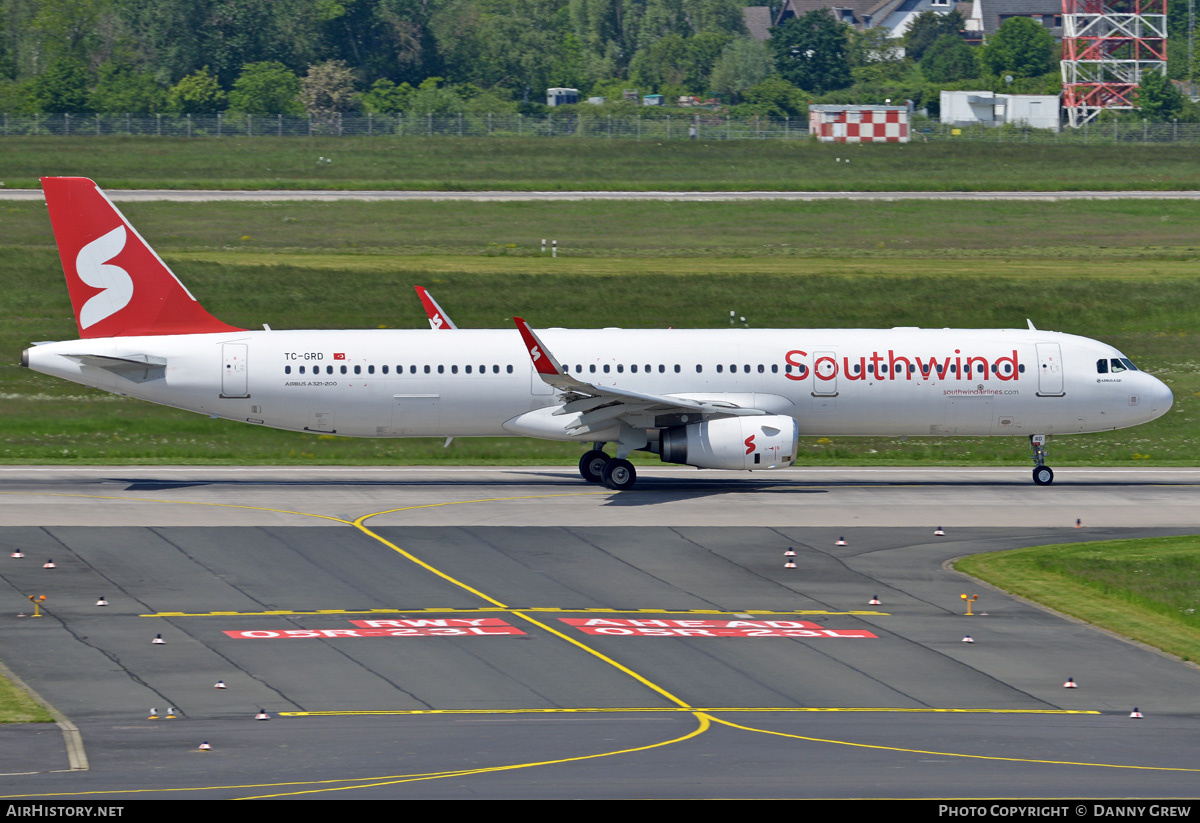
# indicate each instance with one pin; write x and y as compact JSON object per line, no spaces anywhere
{"x":445,"y":56}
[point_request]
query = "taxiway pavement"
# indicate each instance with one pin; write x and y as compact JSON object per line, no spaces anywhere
{"x":515,"y":633}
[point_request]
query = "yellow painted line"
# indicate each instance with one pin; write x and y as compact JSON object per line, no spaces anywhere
{"x":703,"y":724}
{"x":733,"y":725}
{"x":499,"y":609}
{"x":359,"y":524}
{"x":180,"y":503}
{"x":670,"y":710}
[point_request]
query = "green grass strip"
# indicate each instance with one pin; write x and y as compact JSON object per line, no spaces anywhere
{"x":16,"y":706}
{"x":595,"y":164}
{"x":1147,"y":590}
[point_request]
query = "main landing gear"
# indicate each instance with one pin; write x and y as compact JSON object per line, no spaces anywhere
{"x":614,"y":472}
{"x":1043,"y":475}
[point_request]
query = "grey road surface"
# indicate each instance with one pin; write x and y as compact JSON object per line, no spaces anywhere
{"x":512,"y":632}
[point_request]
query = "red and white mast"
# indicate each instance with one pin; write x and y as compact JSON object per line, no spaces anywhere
{"x":1108,"y":46}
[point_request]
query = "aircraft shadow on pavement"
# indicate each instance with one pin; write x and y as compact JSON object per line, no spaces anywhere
{"x":516,"y":479}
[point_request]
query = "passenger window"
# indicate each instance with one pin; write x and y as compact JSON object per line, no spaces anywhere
{"x":606,"y":368}
{"x":343,"y":369}
{"x":302,"y":370}
{"x":427,"y":370}
{"x":620,"y":368}
{"x":358,"y":369}
{"x":454,"y":369}
{"x":509,"y":368}
{"x":632,"y":368}
{"x":288,"y":369}
{"x":441,"y":369}
{"x":720,"y":368}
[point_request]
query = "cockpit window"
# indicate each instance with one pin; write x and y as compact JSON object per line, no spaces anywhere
{"x":1117,"y":365}
{"x":1102,"y":366}
{"x":1129,"y":364}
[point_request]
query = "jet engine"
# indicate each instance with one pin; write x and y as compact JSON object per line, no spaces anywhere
{"x":746,"y":443}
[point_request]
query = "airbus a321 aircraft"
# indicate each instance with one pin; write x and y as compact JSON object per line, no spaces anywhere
{"x":721,"y":399}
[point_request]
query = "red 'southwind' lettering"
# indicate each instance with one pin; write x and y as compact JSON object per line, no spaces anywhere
{"x":833,"y":368}
{"x":966,"y":367}
{"x":798,"y":364}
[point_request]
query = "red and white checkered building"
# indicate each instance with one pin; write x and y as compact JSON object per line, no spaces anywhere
{"x":859,"y":124}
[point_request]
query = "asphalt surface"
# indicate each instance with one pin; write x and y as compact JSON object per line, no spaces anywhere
{"x":427,"y":651}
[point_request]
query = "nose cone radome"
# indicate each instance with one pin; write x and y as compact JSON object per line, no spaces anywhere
{"x":1159,"y":398}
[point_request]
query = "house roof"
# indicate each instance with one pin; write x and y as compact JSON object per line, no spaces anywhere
{"x":994,"y":12}
{"x":758,"y":21}
{"x":856,"y":10}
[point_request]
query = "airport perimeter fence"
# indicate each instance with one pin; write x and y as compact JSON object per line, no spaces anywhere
{"x":681,"y":126}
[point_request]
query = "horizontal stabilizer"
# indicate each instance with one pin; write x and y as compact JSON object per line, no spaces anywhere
{"x":136,"y":367}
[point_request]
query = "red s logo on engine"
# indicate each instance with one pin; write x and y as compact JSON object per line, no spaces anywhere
{"x":750,"y":444}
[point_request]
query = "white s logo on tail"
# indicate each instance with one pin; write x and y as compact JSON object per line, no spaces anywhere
{"x":92,"y":266}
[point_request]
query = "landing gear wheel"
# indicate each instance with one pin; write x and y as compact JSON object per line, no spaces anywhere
{"x":591,"y":466}
{"x":619,"y":475}
{"x":1043,"y":476}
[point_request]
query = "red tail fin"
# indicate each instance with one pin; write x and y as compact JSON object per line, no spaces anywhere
{"x":119,"y":286}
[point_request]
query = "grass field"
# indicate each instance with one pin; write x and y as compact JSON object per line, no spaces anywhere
{"x":480,"y":163}
{"x":17,"y":707}
{"x":352,"y":265}
{"x":1142,"y":589}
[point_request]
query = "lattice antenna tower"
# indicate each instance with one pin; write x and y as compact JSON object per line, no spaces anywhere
{"x":1108,"y":46}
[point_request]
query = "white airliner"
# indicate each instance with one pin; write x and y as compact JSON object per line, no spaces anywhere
{"x":723,"y":399}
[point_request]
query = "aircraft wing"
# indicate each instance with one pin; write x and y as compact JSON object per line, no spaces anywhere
{"x":438,"y":319}
{"x":598,"y":406}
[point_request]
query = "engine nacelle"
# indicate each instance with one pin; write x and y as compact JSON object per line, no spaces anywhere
{"x":746,"y":443}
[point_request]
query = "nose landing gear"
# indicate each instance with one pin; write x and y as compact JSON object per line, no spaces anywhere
{"x":1043,"y":475}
